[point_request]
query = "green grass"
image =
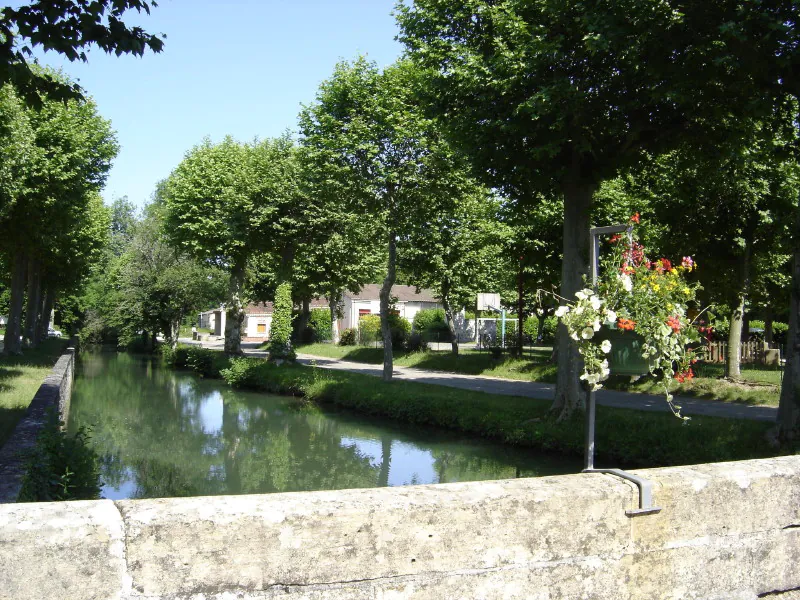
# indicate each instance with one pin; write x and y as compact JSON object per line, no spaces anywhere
{"x":624,"y":437}
{"x":186,"y":331}
{"x":20,"y":377}
{"x":533,"y":367}
{"x":759,"y":385}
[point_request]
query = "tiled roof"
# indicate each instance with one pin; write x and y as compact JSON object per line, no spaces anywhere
{"x":266,"y":308}
{"x":403,"y":293}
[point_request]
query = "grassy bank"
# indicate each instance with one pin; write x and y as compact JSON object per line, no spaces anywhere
{"x":624,"y":437}
{"x":758,"y":385}
{"x":20,"y":377}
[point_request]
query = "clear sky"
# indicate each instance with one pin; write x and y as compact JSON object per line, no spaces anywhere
{"x":240,"y":67}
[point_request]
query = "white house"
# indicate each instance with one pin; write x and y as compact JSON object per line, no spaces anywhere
{"x":367,"y":302}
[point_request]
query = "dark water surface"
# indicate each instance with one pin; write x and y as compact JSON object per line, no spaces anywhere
{"x":166,"y":433}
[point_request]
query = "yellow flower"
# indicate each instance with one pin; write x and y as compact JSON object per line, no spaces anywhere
{"x":687,"y":291}
{"x":656,"y":287}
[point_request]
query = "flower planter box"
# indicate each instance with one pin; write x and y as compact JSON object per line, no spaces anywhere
{"x":625,"y":357}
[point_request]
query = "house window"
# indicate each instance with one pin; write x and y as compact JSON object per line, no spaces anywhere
{"x":363,"y":311}
{"x":261,"y":328}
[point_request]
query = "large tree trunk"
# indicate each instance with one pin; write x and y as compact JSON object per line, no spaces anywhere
{"x":304,"y":318}
{"x":34,"y":299}
{"x":520,"y":305}
{"x":789,"y":407}
{"x":48,"y":298}
{"x":11,"y":341}
{"x":386,"y":296}
{"x":449,"y":316}
{"x":234,"y":313}
{"x":577,"y":205}
{"x":333,"y":303}
{"x":733,"y":359}
{"x":386,"y":461}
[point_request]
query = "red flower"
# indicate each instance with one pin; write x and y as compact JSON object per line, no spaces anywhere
{"x":674,"y":323}
{"x":666,"y":264}
{"x":615,"y":238}
{"x":626,"y":324}
{"x":635,"y":218}
{"x":685,"y":376}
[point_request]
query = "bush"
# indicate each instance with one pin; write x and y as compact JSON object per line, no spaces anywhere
{"x":320,"y":324}
{"x":417,"y":343}
{"x":61,"y":466}
{"x":206,"y":362}
{"x":348,"y":337}
{"x":175,"y":357}
{"x":431,"y":323}
{"x":780,"y":332}
{"x":369,"y":329}
{"x":401,"y":329}
{"x":280,"y":331}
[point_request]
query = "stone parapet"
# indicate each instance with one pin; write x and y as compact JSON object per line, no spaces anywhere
{"x":726,"y":531}
{"x":54,"y":394}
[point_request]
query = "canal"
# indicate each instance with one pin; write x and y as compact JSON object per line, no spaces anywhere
{"x":166,"y":433}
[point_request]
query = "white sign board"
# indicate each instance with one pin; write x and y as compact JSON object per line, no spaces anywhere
{"x":485,"y":301}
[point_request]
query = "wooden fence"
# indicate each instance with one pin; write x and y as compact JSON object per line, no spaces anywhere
{"x":749,"y":352}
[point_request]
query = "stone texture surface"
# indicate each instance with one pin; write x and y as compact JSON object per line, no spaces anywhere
{"x":53,"y":394}
{"x":727,"y":531}
{"x":66,"y":550}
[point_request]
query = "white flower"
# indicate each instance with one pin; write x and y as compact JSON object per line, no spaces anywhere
{"x":605,"y":346}
{"x":587,"y":292}
{"x":574,"y":336}
{"x":562,"y":310}
{"x":579,"y":310}
{"x":587,"y":333}
{"x":595,"y":302}
{"x":627,"y":284}
{"x":611,"y":317}
{"x":596,"y":325}
{"x":580,"y":295}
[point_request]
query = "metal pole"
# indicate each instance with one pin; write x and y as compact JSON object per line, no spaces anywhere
{"x":503,"y":342}
{"x":590,"y":413}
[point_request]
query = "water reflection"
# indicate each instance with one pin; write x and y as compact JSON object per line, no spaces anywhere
{"x":162,"y":433}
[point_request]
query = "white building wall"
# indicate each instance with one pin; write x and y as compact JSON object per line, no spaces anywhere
{"x":253,"y":321}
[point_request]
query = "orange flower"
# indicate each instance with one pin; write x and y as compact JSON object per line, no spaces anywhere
{"x":626,"y":324}
{"x":635,"y":218}
{"x":685,"y":376}
{"x":674,"y":323}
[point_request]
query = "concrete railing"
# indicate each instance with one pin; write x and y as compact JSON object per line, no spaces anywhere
{"x":54,"y":394}
{"x":726,"y":531}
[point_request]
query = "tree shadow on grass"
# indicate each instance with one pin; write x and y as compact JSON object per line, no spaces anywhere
{"x":9,"y":417}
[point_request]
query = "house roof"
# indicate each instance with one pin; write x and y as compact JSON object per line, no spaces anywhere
{"x":403,"y":293}
{"x":266,"y":308}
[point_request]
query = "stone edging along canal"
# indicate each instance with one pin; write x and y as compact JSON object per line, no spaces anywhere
{"x":54,"y":393}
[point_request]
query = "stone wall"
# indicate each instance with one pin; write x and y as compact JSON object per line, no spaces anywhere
{"x":55,"y":394}
{"x":727,"y":531}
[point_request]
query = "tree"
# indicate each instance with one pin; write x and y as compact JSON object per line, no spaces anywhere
{"x":71,"y":152}
{"x":551,"y":96}
{"x":459,"y":252}
{"x":224,"y":202}
{"x":386,"y":158}
{"x":280,"y":330}
{"x":67,"y":27}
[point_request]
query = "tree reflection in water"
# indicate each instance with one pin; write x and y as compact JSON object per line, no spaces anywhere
{"x":165,"y":433}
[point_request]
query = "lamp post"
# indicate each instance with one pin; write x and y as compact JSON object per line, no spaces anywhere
{"x":645,"y":486}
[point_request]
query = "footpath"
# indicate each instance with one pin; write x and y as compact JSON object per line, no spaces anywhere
{"x":531,"y":389}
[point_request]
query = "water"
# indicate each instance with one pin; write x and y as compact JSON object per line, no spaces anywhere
{"x":165,"y":433}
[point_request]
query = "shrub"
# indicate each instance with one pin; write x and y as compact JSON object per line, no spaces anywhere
{"x":432,"y":325}
{"x":401,"y":329}
{"x":417,"y":343}
{"x":280,"y":331}
{"x":175,"y":357}
{"x":348,"y":337}
{"x":369,"y":329}
{"x":61,"y":466}
{"x":549,"y":330}
{"x":780,"y":332}
{"x":320,"y":324}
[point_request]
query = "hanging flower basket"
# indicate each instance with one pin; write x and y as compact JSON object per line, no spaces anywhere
{"x":635,"y":322}
{"x":625,"y":357}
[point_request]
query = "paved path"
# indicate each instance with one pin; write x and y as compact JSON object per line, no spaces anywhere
{"x":532,"y":389}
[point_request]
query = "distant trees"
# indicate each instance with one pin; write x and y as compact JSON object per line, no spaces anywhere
{"x":224,"y":202}
{"x":52,"y":221}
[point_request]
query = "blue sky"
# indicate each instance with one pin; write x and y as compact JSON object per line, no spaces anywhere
{"x":239,"y":67}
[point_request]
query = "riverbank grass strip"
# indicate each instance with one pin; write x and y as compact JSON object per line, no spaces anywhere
{"x":759,"y":386}
{"x":20,"y":378}
{"x":624,"y":437}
